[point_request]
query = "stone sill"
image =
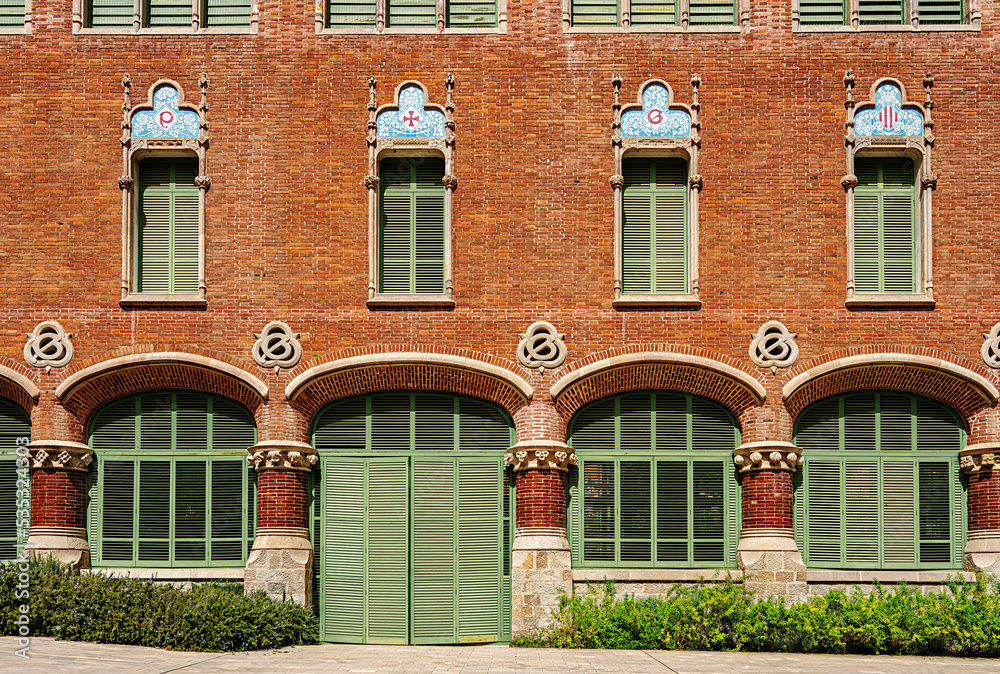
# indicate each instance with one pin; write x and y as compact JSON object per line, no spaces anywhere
{"x":196,"y":574}
{"x":140,"y":300}
{"x":11,"y":30}
{"x":885,"y":576}
{"x":166,"y":31}
{"x":441,"y":301}
{"x":862,"y":301}
{"x":605,"y":30}
{"x":654,"y":575}
{"x":944,"y":28}
{"x":651,"y":300}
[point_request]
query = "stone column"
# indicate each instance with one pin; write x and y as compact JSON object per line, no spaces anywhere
{"x":280,"y":562}
{"x":982,"y":546}
{"x":767,"y":550}
{"x":59,"y":501}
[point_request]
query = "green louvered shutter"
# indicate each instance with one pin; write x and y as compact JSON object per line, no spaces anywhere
{"x":708,"y":512}
{"x":118,"y":503}
{"x":635,"y":525}
{"x":599,"y":511}
{"x":12,"y":15}
{"x":387,"y":541}
{"x":14,"y":426}
{"x":165,"y":13}
{"x":861,"y":513}
{"x":824,"y":512}
{"x":898,"y":517}
{"x":472,"y":14}
{"x":588,"y":13}
{"x":154,"y":496}
{"x":508,"y":533}
{"x":713,"y":12}
{"x":228,"y":509}
{"x":227,"y":13}
{"x":344,"y":550}
{"x":317,"y":533}
{"x":351,"y":13}
{"x":936,"y":12}
{"x":412,"y":225}
{"x":881,"y":11}
{"x":672,"y":511}
{"x":411,"y":13}
{"x":168,"y":237}
{"x":934,"y":501}
{"x":110,"y":13}
{"x":191,"y":510}
{"x":653,"y":12}
{"x":8,"y":509}
{"x":573,"y":514}
{"x":654,"y":226}
{"x":884,"y":233}
{"x":822,"y":12}
{"x":434,"y":550}
{"x":94,"y":482}
{"x":478,"y":549}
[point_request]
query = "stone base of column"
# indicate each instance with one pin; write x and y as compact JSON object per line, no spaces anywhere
{"x":541,"y":570}
{"x":772,"y":563}
{"x":280,"y":563}
{"x":67,"y":545}
{"x":982,"y":551}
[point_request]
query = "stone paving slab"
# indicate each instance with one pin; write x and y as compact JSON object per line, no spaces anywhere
{"x":50,"y":656}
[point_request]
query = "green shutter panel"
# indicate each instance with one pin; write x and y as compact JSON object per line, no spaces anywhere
{"x":342,"y":426}
{"x":156,"y":423}
{"x":671,"y":242}
{"x":712,"y":428}
{"x":391,"y":423}
{"x":168,"y":13}
{"x":866,"y":243}
{"x":191,"y":419}
{"x":823,"y":512}
{"x":574,"y":533}
{"x":508,"y":534}
{"x":861,"y":513}
{"x":898,"y":517}
{"x":11,"y":13}
{"x":636,"y":423}
{"x":351,"y":13}
{"x":713,"y":12}
{"x":317,"y":532}
{"x":895,"y":422}
{"x":934,"y":12}
{"x":433,"y":423}
{"x":483,"y":428}
{"x":94,"y":518}
{"x":708,"y":512}
{"x":8,"y":509}
{"x":108,"y":14}
{"x":934,"y":502}
{"x":433,"y":552}
{"x":734,"y":507}
{"x":957,"y":517}
{"x":898,"y":244}
{"x":599,"y":511}
{"x":821,"y":12}
{"x":114,"y":427}
{"x":637,"y":226}
{"x":594,"y":12}
{"x":228,"y":509}
{"x":233,"y":428}
{"x":635,"y":511}
{"x":412,"y":226}
{"x":478,"y":549}
{"x":411,"y":13}
{"x":798,"y":499}
{"x":881,"y":11}
{"x":154,"y":498}
{"x":388,"y":551}
{"x":653,"y":12}
{"x":672,"y":512}
{"x":395,"y":243}
{"x":884,"y":231}
{"x":117,"y":510}
{"x":818,"y":428}
{"x":191,"y":502}
{"x":428,"y":243}
{"x":169,"y":226}
{"x":472,"y":13}
{"x":225,"y":13}
{"x":654,"y":226}
{"x":343,"y":616}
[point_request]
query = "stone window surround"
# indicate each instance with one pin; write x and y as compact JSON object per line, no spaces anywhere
{"x":917,"y":148}
{"x":381,"y":29}
{"x":381,"y":147}
{"x":972,"y":22}
{"x":683,"y":25}
{"x":681,"y":147}
{"x":133,"y":151}
{"x":80,"y":12}
{"x":26,"y":29}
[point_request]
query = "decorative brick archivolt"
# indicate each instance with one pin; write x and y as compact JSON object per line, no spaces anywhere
{"x":282,"y":454}
{"x":675,"y":370}
{"x":48,"y":346}
{"x":358,"y":374}
{"x":767,"y":455}
{"x":964,"y":386}
{"x":540,"y":455}
{"x":984,"y":456}
{"x":15,"y":385}
{"x":60,"y":454}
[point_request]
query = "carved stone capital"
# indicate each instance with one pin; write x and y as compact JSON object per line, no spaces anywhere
{"x":617,"y":181}
{"x":371,"y":182}
{"x":979,"y":457}
{"x":60,"y":455}
{"x":540,"y":455}
{"x":767,"y":455}
{"x":849,"y":181}
{"x":696,"y":181}
{"x":125,"y":183}
{"x":282,"y":455}
{"x":450,"y":182}
{"x":203,"y":182}
{"x":929,"y":182}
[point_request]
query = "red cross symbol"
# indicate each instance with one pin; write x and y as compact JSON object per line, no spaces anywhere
{"x":411,"y":118}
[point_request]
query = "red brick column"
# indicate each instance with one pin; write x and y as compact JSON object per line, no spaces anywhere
{"x":767,"y":500}
{"x":980,"y":462}
{"x":541,"y":499}
{"x":282,"y":499}
{"x":59,"y":500}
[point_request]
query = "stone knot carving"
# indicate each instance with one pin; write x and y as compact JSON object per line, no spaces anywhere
{"x":60,"y":455}
{"x":282,"y":455}
{"x":773,"y":346}
{"x":125,"y":183}
{"x":371,"y":182}
{"x":980,"y":457}
{"x":767,"y":455}
{"x":48,"y":346}
{"x":849,"y":181}
{"x":204,"y":182}
{"x":991,"y":347}
{"x":542,"y":346}
{"x":696,"y":181}
{"x":540,"y":455}
{"x":277,"y":346}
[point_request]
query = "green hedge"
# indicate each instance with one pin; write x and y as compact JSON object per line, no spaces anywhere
{"x":68,"y":604}
{"x":962,"y":620}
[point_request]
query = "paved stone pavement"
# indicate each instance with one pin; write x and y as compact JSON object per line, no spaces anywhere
{"x":47,"y":655}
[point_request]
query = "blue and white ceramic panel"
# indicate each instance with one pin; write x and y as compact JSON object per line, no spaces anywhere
{"x":656,"y":118}
{"x":166,"y":119}
{"x":411,"y":119}
{"x":888,"y":117}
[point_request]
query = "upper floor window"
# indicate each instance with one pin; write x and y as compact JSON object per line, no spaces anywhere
{"x":168,"y":226}
{"x":885,"y":242}
{"x":654,"y":228}
{"x":15,"y":16}
{"x":885,"y":14}
{"x":647,"y":16}
{"x":411,"y":16}
{"x":171,"y":16}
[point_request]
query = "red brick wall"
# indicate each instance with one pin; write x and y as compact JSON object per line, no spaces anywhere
{"x":282,"y":498}
{"x":767,"y":499}
{"x":983,"y":503}
{"x":58,"y":498}
{"x":541,"y":498}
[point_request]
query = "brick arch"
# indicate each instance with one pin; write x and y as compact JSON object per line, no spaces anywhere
{"x":674,"y":368}
{"x":16,"y":386}
{"x":122,"y":372}
{"x":354,"y":373}
{"x":960,"y":384}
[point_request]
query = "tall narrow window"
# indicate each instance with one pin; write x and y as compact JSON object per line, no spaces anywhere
{"x":654,"y":226}
{"x":168,"y":226}
{"x":12,"y":16}
{"x":351,"y":13}
{"x":884,"y":234}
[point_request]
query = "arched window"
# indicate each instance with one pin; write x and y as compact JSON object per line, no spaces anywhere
{"x":655,"y":484}
{"x":170,"y":486}
{"x":881,"y":486}
{"x":15,"y":430}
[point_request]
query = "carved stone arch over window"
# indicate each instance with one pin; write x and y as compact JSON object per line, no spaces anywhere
{"x":889,"y":182}
{"x":410,"y":181}
{"x":164,"y":181}
{"x":656,"y":185}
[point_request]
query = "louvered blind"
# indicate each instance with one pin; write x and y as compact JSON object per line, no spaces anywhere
{"x":594,"y":12}
{"x":472,"y":14}
{"x":411,"y":246}
{"x":654,"y":226}
{"x":653,"y":12}
{"x":168,"y":226}
{"x":227,"y":13}
{"x":164,"y":13}
{"x":713,"y":12}
{"x":880,"y":487}
{"x":15,"y":431}
{"x":881,"y":11}
{"x":822,"y":12}
{"x":655,"y":485}
{"x":411,"y":13}
{"x":884,"y":231}
{"x":935,"y":12}
{"x":109,"y":13}
{"x":12,"y":14}
{"x":351,"y":13}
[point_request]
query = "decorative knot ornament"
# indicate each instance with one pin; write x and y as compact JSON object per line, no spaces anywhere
{"x":991,"y":347}
{"x":277,"y":346}
{"x":48,"y":346}
{"x":542,"y":346}
{"x":773,"y":346}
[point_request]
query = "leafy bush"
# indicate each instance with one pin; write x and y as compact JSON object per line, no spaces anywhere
{"x":68,"y":604}
{"x":964,"y":619}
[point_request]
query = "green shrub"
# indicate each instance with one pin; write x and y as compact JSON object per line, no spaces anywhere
{"x":964,"y":619}
{"x":68,"y":604}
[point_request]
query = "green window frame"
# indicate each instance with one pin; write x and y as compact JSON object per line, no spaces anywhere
{"x":171,"y":486}
{"x":881,"y":486}
{"x":362,"y":14}
{"x":605,"y":13}
{"x":881,"y":12}
{"x":12,"y":14}
{"x":167,"y":13}
{"x":169,"y":234}
{"x":655,"y":484}
{"x":15,"y":426}
{"x":886,"y":241}
{"x":226,"y":13}
{"x":411,"y":225}
{"x":655,"y":246}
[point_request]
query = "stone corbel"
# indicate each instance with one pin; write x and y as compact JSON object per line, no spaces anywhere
{"x":60,"y":454}
{"x":979,"y":457}
{"x":540,"y":455}
{"x":767,"y":455}
{"x":282,"y":455}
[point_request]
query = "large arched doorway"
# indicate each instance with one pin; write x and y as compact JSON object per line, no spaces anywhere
{"x":412,"y":516}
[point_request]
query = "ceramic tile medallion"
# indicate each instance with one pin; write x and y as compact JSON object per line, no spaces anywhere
{"x":888,"y":117}
{"x":656,"y":118}
{"x":165,"y":120}
{"x":410,"y":119}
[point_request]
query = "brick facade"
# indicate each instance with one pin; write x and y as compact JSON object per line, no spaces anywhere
{"x":282,"y":498}
{"x":541,"y":499}
{"x":58,"y":498}
{"x":767,"y":499}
